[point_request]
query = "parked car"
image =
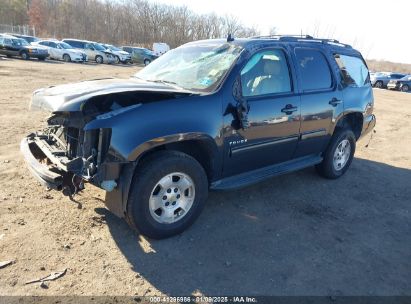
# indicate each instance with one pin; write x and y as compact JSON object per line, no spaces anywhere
{"x":121,"y":56}
{"x":380,"y":80}
{"x":216,"y":114}
{"x":62,"y":51}
{"x":160,"y":48}
{"x":140,"y":55}
{"x":29,"y":39}
{"x":93,"y":50}
{"x":13,"y":46}
{"x":403,"y":84}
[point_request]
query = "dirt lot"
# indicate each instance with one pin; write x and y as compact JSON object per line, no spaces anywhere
{"x":297,"y":234}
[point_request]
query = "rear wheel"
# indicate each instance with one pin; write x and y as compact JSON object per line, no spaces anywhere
{"x":405,"y":88}
{"x":66,"y":58}
{"x":147,"y":62}
{"x":168,"y":193}
{"x":339,"y":154}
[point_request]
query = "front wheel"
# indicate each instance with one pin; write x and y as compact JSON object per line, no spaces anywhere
{"x":405,"y":88}
{"x":147,"y":62}
{"x":379,"y":84}
{"x":339,"y":154}
{"x":25,"y":55}
{"x":167,"y":194}
{"x":66,"y":58}
{"x":99,"y":59}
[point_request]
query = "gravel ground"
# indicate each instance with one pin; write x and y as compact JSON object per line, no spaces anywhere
{"x":296,"y":234}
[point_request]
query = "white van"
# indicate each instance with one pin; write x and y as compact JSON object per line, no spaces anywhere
{"x":160,"y":48}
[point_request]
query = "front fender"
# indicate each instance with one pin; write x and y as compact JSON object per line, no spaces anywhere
{"x":149,"y":125}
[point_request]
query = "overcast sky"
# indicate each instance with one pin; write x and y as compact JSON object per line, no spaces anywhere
{"x":379,"y":29}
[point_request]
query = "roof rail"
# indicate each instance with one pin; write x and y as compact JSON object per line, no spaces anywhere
{"x":306,"y":38}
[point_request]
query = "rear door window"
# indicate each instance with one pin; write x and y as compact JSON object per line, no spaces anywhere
{"x":314,"y":69}
{"x":353,"y":70}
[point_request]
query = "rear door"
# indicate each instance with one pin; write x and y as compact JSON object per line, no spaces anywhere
{"x":321,"y":100}
{"x":56,"y":53}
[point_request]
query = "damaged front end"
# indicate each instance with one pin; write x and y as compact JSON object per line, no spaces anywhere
{"x":64,"y":156}
{"x":91,"y":134}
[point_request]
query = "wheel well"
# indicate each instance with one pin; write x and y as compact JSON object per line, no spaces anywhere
{"x":352,"y":120}
{"x":197,"y":149}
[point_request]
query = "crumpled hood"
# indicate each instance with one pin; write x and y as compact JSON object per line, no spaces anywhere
{"x":70,"y":97}
{"x":120,"y":53}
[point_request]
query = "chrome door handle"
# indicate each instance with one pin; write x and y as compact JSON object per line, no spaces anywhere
{"x":334,"y":102}
{"x":289,"y":109}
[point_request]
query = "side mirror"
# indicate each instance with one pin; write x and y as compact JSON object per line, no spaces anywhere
{"x":242,"y":106}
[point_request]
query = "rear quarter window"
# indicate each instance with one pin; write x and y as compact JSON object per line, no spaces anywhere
{"x":314,"y":69}
{"x":354,"y":72}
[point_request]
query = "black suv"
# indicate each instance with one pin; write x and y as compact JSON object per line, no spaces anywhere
{"x":214,"y":114}
{"x":13,"y":46}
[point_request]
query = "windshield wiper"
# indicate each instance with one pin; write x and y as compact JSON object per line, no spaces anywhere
{"x":162,"y":81}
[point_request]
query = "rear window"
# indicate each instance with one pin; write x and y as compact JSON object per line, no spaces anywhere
{"x":353,"y":70}
{"x":314,"y":69}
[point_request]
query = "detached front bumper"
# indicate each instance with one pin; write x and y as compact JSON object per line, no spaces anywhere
{"x":46,"y":175}
{"x":368,"y":124}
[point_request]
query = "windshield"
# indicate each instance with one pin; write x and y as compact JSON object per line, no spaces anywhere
{"x":98,"y":47}
{"x":113,"y":48}
{"x":196,"y":67}
{"x":20,"y":42}
{"x":65,"y":46}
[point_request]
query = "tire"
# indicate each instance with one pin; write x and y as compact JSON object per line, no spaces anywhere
{"x":117,"y":60}
{"x":66,"y":58}
{"x":379,"y":84}
{"x":41,"y":59}
{"x":99,"y":59}
{"x":405,"y":88}
{"x":156,"y":169}
{"x":25,"y":55}
{"x":329,"y":167}
{"x":8,"y":56}
{"x":147,"y":61}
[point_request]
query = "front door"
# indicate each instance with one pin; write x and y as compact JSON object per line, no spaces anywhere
{"x":274,"y":115}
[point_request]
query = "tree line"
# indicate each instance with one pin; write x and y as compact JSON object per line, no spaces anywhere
{"x":134,"y":22}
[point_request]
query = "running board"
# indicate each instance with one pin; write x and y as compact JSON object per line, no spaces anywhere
{"x":258,"y":175}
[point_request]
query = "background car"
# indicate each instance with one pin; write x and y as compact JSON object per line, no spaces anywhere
{"x":29,"y":39}
{"x":380,"y":80}
{"x":403,"y":84}
{"x":120,"y":55}
{"x":13,"y":46}
{"x":140,"y":55}
{"x":93,"y":50}
{"x":62,"y":51}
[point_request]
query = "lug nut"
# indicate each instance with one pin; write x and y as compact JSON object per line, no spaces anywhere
{"x":167,"y":203}
{"x":175,"y":190}
{"x":164,"y":197}
{"x":174,"y":203}
{"x":178,"y":195}
{"x":168,"y":190}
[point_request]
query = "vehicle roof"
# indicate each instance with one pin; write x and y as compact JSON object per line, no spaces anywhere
{"x":7,"y":36}
{"x":135,"y":47}
{"x":21,"y":35}
{"x":79,"y":40}
{"x":261,"y":41}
